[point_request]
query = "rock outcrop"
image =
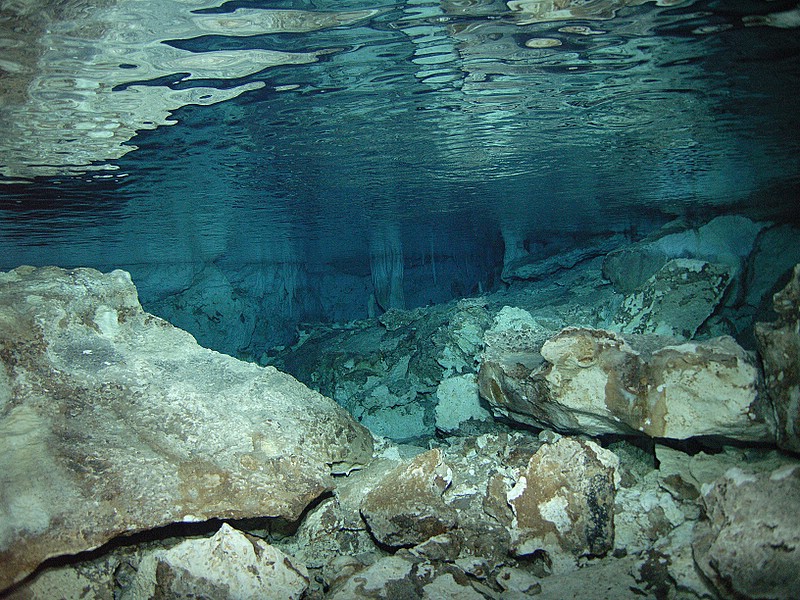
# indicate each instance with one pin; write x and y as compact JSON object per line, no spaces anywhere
{"x":406,"y":508}
{"x":113,"y":421}
{"x":386,"y":372}
{"x":676,"y":300}
{"x":565,"y":498}
{"x":595,"y":381}
{"x":725,"y":240}
{"x":227,"y":566}
{"x":779,"y":347}
{"x":748,"y":545}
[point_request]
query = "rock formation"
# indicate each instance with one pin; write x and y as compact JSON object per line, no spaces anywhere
{"x":676,"y":300}
{"x":406,"y":507}
{"x":228,"y":566}
{"x":113,"y":421}
{"x":748,"y":544}
{"x":779,"y":346}
{"x":565,"y":497}
{"x":596,"y":381}
{"x":724,"y":240}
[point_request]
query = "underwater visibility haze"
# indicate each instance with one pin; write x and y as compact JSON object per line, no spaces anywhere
{"x":487,"y":299}
{"x":322,"y":161}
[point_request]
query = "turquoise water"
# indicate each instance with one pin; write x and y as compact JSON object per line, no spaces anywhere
{"x":438,"y":125}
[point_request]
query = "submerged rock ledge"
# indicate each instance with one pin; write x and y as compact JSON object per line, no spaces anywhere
{"x":113,"y":421}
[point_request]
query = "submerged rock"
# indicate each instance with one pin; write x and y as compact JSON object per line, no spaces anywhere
{"x":113,"y":421}
{"x":387,"y":372}
{"x":565,"y":498}
{"x":748,"y":545}
{"x":769,"y":267}
{"x":221,"y":317}
{"x":228,"y":566}
{"x":594,"y":381}
{"x":779,"y":346}
{"x":725,"y":240}
{"x":676,"y":300}
{"x":459,"y":401}
{"x":406,"y":508}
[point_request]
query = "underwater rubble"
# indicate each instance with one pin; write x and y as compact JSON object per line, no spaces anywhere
{"x":583,"y":435}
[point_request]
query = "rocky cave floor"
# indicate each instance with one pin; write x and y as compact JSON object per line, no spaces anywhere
{"x":609,"y":426}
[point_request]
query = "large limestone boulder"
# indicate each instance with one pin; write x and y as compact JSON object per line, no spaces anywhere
{"x":406,"y":508}
{"x":565,"y":499}
{"x":113,"y":421}
{"x":779,"y":347}
{"x":725,"y":240}
{"x":594,"y":381}
{"x":676,"y":300}
{"x":228,"y":566}
{"x":748,"y":545}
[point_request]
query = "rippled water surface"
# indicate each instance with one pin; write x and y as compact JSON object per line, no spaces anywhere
{"x":146,"y":131}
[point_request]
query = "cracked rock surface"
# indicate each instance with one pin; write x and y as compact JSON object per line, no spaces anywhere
{"x":113,"y":421}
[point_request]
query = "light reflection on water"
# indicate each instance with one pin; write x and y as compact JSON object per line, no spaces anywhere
{"x":444,"y":119}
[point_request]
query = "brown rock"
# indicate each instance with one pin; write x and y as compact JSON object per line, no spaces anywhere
{"x":566,"y":497}
{"x":594,"y":381}
{"x":406,"y":507}
{"x":228,"y":566}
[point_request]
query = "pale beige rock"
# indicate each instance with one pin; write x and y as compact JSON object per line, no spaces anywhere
{"x":595,"y":381}
{"x":228,"y":566}
{"x":406,"y":507}
{"x":113,"y":421}
{"x":446,"y":586}
{"x":779,"y":346}
{"x":610,"y":579}
{"x":391,"y":572}
{"x":79,"y":582}
{"x":749,"y":543}
{"x":458,"y":401}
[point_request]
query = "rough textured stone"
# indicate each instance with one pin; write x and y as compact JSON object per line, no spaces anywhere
{"x":93,"y":580}
{"x":725,"y":240}
{"x":406,"y":507}
{"x":565,"y":498}
{"x":386,"y":372}
{"x":676,"y":300}
{"x":228,"y":566}
{"x":541,"y":265}
{"x":779,"y":347}
{"x":458,"y":401}
{"x":406,"y":577}
{"x":749,"y":543}
{"x":602,"y":580}
{"x":595,"y":381}
{"x":113,"y":421}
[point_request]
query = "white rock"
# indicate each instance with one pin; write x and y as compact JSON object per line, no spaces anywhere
{"x":227,"y":566}
{"x":459,"y":401}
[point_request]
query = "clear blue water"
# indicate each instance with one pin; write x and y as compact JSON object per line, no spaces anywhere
{"x":442,"y":122}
